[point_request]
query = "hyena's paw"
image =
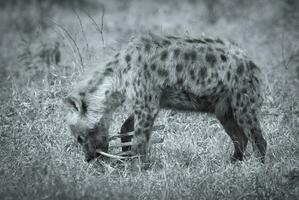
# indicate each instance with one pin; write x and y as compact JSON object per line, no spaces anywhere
{"x":234,"y":159}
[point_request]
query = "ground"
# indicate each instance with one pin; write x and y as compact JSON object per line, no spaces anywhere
{"x":39,"y":159}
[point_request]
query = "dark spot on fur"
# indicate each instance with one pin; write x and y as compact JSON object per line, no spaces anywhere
{"x":128,"y":58}
{"x":195,"y":41}
{"x":115,"y":62}
{"x":252,"y":100}
{"x":93,"y":89}
{"x":192,"y":74}
{"x":228,"y":75}
{"x":219,"y":41}
{"x":255,"y":119}
{"x":211,"y":58}
{"x":241,"y":121}
{"x":222,"y":90}
{"x":180,"y":81}
{"x":209,"y":40}
{"x":238,"y":96}
{"x":236,"y":78}
{"x":82,"y":94}
{"x":90,"y":82}
{"x":138,"y":131}
{"x":147,"y":47}
{"x":220,"y":50}
{"x":186,"y":56}
{"x":109,"y":63}
{"x":127,"y":83}
{"x":192,"y":55}
{"x":108,"y":71}
{"x":106,"y":92}
{"x":223,"y":58}
{"x":203,"y":72}
{"x":251,"y":65}
{"x":166,"y":42}
{"x":176,"y":52}
{"x":139,"y":58}
{"x":145,"y":66}
{"x":84,"y":106}
{"x":249,"y":122}
{"x":148,"y":117}
{"x":150,"y":97}
{"x":253,"y":131}
{"x":138,"y":82}
{"x":147,"y":74}
{"x":153,"y":66}
{"x":244,"y":90}
{"x":163,"y":72}
{"x":127,"y":68}
{"x":201,"y":49}
{"x":210,"y":49}
{"x":164,"y":55}
{"x":179,"y":67}
{"x":172,"y":37}
{"x":240,"y":69}
{"x":146,"y":124}
{"x":215,"y":75}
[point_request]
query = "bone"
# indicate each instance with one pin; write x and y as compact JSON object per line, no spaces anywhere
{"x":116,"y":156}
{"x":120,"y":135}
{"x":124,"y":144}
{"x":126,"y":153}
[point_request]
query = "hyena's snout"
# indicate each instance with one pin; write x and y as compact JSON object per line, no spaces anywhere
{"x":90,"y":149}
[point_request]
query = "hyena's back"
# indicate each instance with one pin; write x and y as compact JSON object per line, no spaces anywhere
{"x":206,"y":68}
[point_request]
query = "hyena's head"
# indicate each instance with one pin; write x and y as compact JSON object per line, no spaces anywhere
{"x":91,"y":135}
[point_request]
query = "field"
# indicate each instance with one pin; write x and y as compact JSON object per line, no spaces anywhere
{"x":39,"y":159}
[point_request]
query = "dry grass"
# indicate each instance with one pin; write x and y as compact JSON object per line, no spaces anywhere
{"x":40,"y":160}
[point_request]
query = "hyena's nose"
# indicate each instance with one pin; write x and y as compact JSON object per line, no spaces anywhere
{"x":89,"y":157}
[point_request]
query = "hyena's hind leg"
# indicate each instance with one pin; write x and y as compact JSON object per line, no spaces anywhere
{"x":225,"y":115}
{"x":245,"y":113}
{"x":128,"y":126}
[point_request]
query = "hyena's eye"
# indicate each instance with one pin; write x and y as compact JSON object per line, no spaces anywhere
{"x":79,"y":139}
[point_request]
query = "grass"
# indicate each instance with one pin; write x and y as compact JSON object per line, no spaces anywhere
{"x":40,"y":160}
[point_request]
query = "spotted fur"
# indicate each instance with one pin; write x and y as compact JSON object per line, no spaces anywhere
{"x":154,"y":72}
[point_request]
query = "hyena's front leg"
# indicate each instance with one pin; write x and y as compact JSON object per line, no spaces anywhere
{"x":145,"y":112}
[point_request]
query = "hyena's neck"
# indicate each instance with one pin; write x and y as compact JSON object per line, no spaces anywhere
{"x":105,"y":98}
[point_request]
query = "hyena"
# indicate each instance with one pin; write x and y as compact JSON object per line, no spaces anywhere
{"x":183,"y":73}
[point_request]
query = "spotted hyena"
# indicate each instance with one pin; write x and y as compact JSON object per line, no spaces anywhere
{"x":154,"y":72}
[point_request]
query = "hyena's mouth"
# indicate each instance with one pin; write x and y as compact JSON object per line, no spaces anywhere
{"x":121,"y":155}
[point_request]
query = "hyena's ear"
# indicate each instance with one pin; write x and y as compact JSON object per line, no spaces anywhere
{"x":73,"y":103}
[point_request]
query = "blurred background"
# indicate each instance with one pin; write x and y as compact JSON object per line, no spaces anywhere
{"x":45,"y":45}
